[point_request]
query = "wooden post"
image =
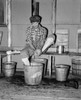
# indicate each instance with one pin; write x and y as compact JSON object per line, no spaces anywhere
{"x":49,"y":66}
{"x":53,"y":20}
{"x":9,"y":57}
{"x":53,"y":17}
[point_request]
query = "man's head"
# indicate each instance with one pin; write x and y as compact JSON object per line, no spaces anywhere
{"x":35,"y":18}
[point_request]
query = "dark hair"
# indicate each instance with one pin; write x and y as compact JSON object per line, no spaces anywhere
{"x":35,"y":18}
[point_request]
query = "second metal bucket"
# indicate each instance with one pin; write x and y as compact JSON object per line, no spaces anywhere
{"x":61,"y":72}
{"x":9,"y":68}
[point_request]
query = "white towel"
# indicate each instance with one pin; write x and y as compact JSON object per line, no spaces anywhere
{"x":25,"y":61}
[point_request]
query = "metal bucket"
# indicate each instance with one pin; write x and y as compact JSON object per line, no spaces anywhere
{"x":33,"y":73}
{"x":9,"y":68}
{"x":62,"y":72}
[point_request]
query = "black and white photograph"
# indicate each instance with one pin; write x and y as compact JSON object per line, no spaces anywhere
{"x":40,"y":49}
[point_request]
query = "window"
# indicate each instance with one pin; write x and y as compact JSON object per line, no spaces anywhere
{"x":3,"y":12}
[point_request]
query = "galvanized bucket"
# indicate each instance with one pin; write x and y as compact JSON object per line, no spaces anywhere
{"x":33,"y":73}
{"x":62,"y":72}
{"x":9,"y":68}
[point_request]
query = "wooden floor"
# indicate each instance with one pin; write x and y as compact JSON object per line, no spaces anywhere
{"x":16,"y":89}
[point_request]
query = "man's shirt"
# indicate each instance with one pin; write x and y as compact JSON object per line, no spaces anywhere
{"x":35,"y":37}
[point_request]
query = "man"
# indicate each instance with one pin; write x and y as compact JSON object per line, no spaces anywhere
{"x":36,"y":41}
{"x":36,"y":35}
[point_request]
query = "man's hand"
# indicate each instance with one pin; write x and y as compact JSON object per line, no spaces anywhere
{"x":37,"y":53}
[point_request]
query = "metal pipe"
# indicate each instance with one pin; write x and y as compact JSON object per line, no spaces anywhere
{"x":33,"y":7}
{"x":9,"y":57}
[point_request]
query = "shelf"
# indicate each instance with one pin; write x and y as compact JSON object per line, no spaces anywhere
{"x":66,"y":53}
